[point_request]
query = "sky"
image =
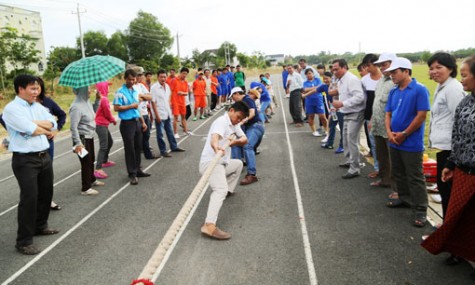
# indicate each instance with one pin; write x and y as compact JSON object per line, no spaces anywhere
{"x":299,"y":27}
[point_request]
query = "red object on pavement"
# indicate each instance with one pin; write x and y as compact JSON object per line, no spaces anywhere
{"x":430,"y":170}
{"x":143,"y":281}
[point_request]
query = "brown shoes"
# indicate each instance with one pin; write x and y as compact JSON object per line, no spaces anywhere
{"x":249,"y":179}
{"x":212,"y":231}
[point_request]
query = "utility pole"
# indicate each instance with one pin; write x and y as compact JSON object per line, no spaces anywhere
{"x":227,"y":53}
{"x":178,"y":48}
{"x":80,"y":30}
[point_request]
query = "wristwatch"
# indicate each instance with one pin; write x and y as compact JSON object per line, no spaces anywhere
{"x":404,"y":134}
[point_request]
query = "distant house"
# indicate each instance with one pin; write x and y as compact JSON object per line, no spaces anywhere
{"x":26,"y":22}
{"x":275,"y":59}
{"x":213,"y":53}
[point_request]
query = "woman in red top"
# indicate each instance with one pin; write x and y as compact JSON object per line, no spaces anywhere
{"x":103,"y":119}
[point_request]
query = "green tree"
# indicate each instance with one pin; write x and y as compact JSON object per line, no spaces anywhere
{"x":95,"y":43}
{"x":19,"y":50}
{"x":425,"y":56}
{"x":147,"y":38}
{"x":169,"y":61}
{"x":60,"y":57}
{"x":243,"y":59}
{"x":117,"y":46}
{"x":197,"y":57}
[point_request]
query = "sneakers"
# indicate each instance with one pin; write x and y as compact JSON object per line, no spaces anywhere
{"x":202,"y":117}
{"x":98,"y":183}
{"x":177,"y":136}
{"x":195,"y":118}
{"x":108,"y":164}
{"x":317,"y":134}
{"x":327,"y":146}
{"x":212,"y":231}
{"x":188,"y":133}
{"x":90,"y":192}
{"x":100,"y":174}
{"x":325,"y":140}
{"x":339,"y":150}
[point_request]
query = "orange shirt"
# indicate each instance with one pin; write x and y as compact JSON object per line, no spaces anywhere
{"x":199,"y":87}
{"x":170,"y":80}
{"x":178,"y":85}
{"x":214,"y":80}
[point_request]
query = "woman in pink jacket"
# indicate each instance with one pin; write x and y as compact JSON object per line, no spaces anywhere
{"x":103,"y":118}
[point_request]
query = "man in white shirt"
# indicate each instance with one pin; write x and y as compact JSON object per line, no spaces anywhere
{"x":226,"y":173}
{"x":294,"y":88}
{"x":352,"y":103}
{"x":145,"y":97}
{"x":163,"y":114}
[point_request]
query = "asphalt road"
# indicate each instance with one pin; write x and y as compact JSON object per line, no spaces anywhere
{"x":346,"y":236}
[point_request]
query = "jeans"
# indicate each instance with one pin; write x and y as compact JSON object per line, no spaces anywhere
{"x":167,"y":125}
{"x":105,"y":145}
{"x":371,"y":144}
{"x":331,"y":135}
{"x":262,"y":113}
{"x":254,"y":136}
{"x":146,"y":137}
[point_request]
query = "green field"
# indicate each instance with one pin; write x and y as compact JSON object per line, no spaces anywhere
{"x":64,"y":96}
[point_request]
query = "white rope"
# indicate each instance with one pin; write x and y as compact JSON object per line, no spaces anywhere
{"x":157,"y":257}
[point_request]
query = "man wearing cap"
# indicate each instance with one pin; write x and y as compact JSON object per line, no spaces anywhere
{"x":352,"y":103}
{"x":199,"y":91}
{"x":254,"y":130}
{"x":378,"y":127}
{"x":294,"y":86}
{"x":406,"y":113}
{"x":144,"y":107}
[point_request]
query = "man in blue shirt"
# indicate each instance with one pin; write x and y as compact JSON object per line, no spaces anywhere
{"x":406,"y":113}
{"x":29,"y":126}
{"x":285,"y":74}
{"x":126,"y":103}
{"x":254,"y":129}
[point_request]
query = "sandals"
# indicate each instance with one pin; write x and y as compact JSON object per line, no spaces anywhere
{"x":420,"y":220}
{"x":393,"y":196}
{"x":55,"y":206}
{"x":46,"y":232}
{"x":373,"y":174}
{"x":379,"y":183}
{"x":396,"y":203}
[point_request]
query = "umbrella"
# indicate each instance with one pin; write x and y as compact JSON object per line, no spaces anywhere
{"x":91,"y":70}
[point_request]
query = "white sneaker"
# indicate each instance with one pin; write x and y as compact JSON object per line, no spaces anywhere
{"x":177,"y":136}
{"x":189,"y":133}
{"x":90,"y":192}
{"x":98,"y":183}
{"x":325,"y":139}
{"x":316,"y":134}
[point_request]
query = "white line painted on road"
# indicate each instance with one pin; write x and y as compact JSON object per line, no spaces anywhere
{"x":81,"y":222}
{"x":303,"y":225}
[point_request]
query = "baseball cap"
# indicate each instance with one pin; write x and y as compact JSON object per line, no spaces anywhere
{"x":400,"y":62}
{"x":139,"y":70}
{"x":386,"y":56}
{"x":236,"y":90}
{"x":255,"y":93}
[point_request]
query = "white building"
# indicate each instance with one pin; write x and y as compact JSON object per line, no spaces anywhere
{"x":26,"y":22}
{"x":275,"y":59}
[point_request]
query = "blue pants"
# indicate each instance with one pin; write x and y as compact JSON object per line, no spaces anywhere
{"x":254,"y":136}
{"x":167,"y":125}
{"x":331,"y":136}
{"x":146,"y":137}
{"x":262,"y":113}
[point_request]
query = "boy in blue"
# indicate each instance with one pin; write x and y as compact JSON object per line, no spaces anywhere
{"x":313,"y":102}
{"x":230,"y":76}
{"x":126,"y":103}
{"x":336,"y":118}
{"x":406,"y":113}
{"x":223,"y":83}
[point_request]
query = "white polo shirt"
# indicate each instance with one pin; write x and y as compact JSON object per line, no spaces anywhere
{"x":296,"y":81}
{"x":224,"y":128}
{"x":161,"y":97}
{"x":141,"y":89}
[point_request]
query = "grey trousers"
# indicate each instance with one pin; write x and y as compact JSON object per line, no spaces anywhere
{"x":352,"y":124}
{"x":409,"y":177}
{"x":105,"y":145}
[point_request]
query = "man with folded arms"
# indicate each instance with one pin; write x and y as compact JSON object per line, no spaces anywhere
{"x":29,"y":126}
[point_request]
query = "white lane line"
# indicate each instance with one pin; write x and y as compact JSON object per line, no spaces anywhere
{"x":81,"y":222}
{"x":56,"y":156}
{"x":303,"y":225}
{"x":178,"y":236}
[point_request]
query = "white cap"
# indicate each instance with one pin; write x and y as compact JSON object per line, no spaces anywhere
{"x":400,"y":62}
{"x":386,"y":56}
{"x":236,"y":90}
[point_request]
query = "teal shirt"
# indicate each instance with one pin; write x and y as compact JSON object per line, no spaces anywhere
{"x":124,"y":97}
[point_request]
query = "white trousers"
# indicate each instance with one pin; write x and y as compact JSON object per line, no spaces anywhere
{"x":223,"y":179}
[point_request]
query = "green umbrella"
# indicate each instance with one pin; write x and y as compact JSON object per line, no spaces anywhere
{"x":91,"y":70}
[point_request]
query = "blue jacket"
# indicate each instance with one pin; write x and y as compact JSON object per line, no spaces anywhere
{"x":265,"y":96}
